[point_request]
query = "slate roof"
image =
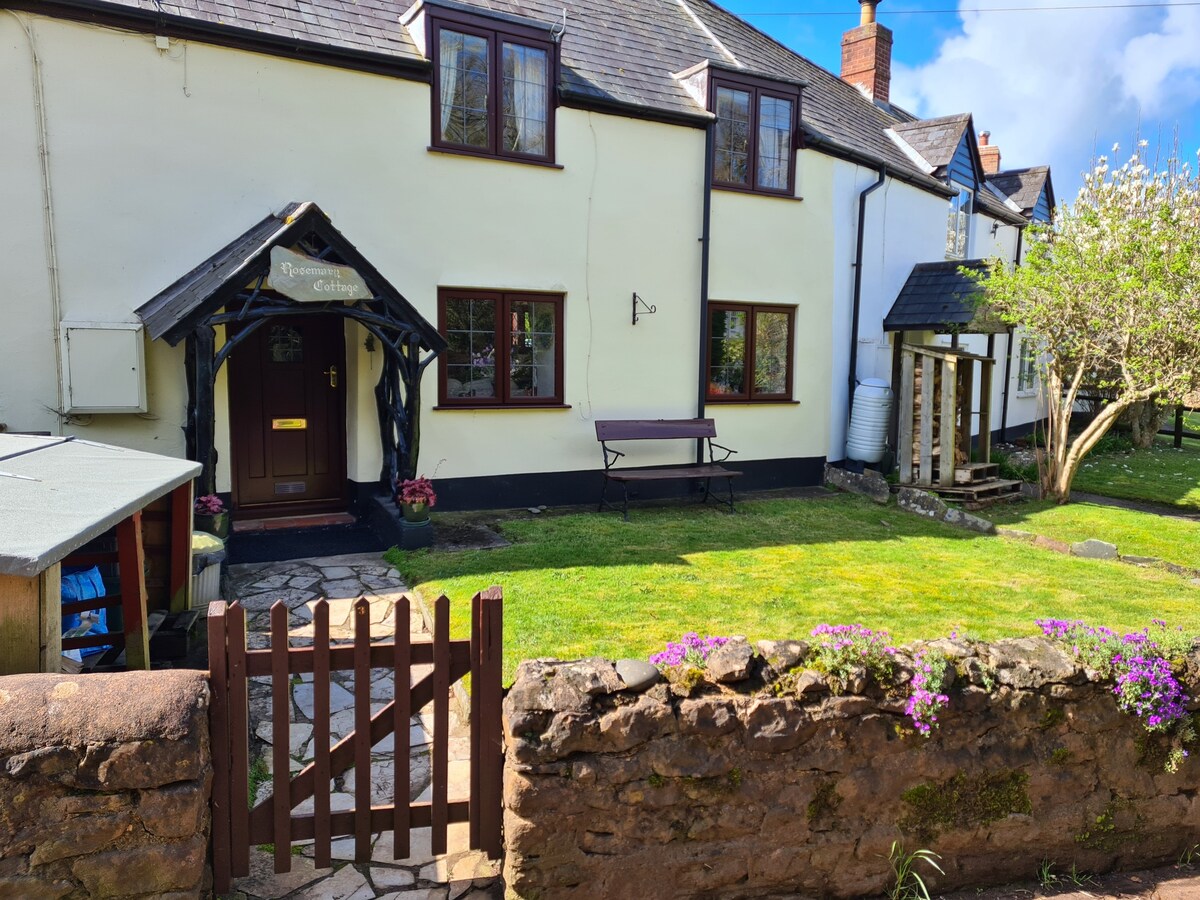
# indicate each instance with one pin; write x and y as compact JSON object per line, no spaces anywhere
{"x":935,"y":139}
{"x":1022,"y":186}
{"x":615,"y":52}
{"x":939,"y":297}
{"x":177,"y":309}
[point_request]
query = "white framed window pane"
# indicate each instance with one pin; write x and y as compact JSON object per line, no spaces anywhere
{"x":532,"y":354}
{"x":770,"y":352}
{"x":727,"y":356}
{"x":471,"y":350}
{"x":774,"y":142}
{"x":731,"y":157}
{"x":463,"y":86}
{"x":525,"y":99}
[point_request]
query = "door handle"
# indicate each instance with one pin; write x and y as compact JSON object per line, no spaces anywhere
{"x":332,"y":373}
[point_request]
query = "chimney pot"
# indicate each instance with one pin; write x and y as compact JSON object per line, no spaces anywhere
{"x":867,"y":54}
{"x":989,"y":154}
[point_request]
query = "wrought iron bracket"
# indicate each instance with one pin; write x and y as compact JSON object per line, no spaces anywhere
{"x":646,"y":310}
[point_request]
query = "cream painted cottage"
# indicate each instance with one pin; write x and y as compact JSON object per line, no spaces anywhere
{"x":315,"y":245}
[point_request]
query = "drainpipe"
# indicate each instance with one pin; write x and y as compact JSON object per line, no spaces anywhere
{"x":1008,"y":354}
{"x":858,"y":260}
{"x":705,"y":233}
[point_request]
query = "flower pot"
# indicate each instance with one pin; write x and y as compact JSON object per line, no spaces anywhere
{"x":415,"y":535}
{"x":415,"y":512}
{"x":216,"y":524}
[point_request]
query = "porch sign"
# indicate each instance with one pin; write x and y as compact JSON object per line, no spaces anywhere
{"x":310,"y":280}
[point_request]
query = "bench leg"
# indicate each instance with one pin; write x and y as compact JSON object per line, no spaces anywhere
{"x":708,"y":493}
{"x":603,"y":492}
{"x":625,"y":490}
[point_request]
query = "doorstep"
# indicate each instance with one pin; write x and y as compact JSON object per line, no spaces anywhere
{"x":275,"y":523}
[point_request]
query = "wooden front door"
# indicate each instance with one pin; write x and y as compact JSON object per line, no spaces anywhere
{"x":287,"y":416}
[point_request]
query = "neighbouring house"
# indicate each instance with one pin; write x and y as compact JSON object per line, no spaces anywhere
{"x":315,"y":246}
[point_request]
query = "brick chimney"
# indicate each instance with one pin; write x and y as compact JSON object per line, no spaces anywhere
{"x":989,"y":154}
{"x":867,"y":54}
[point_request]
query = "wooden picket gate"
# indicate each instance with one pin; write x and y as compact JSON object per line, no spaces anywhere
{"x":236,"y":826}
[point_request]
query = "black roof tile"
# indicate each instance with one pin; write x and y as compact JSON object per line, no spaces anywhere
{"x":938,"y":297}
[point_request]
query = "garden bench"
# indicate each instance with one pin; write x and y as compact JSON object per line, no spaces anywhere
{"x":662,"y":430}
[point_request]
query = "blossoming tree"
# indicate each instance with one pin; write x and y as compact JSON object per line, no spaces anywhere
{"x":1111,"y":296}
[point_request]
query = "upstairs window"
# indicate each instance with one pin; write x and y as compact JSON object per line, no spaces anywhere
{"x":754,"y":135}
{"x":958,"y":225}
{"x":492,"y":90}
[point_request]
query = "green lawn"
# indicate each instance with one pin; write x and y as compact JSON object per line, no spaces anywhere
{"x":584,"y":584}
{"x":1134,"y":533}
{"x":1159,"y":475}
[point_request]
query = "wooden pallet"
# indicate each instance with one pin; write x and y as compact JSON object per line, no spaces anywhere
{"x":975,"y":472}
{"x":995,"y":488}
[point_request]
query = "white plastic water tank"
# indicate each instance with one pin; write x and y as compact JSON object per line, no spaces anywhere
{"x":867,"y":437}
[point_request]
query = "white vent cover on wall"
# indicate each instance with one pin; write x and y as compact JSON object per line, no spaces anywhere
{"x":104,"y":367}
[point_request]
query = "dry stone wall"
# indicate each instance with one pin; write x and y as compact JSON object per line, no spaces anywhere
{"x":104,"y":785}
{"x":775,"y":785}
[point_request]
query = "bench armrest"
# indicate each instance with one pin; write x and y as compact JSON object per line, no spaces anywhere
{"x":712,"y":458}
{"x":615,"y":454}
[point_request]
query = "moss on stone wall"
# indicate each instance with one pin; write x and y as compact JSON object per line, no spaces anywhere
{"x":964,"y":801}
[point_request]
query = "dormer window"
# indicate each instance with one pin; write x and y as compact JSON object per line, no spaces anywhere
{"x":754,"y":134}
{"x":492,"y":88}
{"x":958,"y":225}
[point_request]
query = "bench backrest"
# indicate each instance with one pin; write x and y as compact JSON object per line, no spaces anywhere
{"x":654,"y":429}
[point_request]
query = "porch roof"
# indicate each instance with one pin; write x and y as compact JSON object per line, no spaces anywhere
{"x":938,"y":297}
{"x":176,"y":310}
{"x":58,"y":493}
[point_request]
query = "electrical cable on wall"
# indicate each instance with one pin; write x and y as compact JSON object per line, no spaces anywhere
{"x":39,"y":110}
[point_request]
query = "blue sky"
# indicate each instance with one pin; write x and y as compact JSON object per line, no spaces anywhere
{"x":1051,"y":85}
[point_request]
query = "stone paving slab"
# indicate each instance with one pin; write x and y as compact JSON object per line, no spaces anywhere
{"x":460,"y":874}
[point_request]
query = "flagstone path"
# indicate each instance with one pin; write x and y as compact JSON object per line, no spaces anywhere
{"x":460,"y":873}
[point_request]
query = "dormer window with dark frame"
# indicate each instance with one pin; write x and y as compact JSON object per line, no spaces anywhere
{"x":754,"y":139}
{"x":493,"y":88}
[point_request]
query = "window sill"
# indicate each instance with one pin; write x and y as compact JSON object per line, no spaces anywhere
{"x":734,"y":189}
{"x":475,"y":407}
{"x":450,"y":151}
{"x":1027,"y":394}
{"x":740,"y":401}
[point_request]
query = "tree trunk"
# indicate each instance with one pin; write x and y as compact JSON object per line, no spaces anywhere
{"x":1073,"y":452}
{"x":1145,"y":418}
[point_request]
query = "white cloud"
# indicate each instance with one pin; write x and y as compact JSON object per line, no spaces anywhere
{"x":1053,"y":86}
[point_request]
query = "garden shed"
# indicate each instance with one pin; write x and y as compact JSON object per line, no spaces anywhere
{"x":75,"y":503}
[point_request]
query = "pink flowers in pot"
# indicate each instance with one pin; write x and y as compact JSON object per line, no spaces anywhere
{"x":417,"y":492}
{"x":209,"y":505}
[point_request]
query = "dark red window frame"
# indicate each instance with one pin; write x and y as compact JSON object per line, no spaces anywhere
{"x":757,"y":87}
{"x":497,"y":33}
{"x":503,"y":331}
{"x":750,"y":394}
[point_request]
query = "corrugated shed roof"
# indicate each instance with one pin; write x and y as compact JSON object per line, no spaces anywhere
{"x":58,"y":493}
{"x":938,"y":297}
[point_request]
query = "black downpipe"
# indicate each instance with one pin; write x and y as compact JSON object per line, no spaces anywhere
{"x":1008,"y":355}
{"x":702,"y":365}
{"x":858,"y":266}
